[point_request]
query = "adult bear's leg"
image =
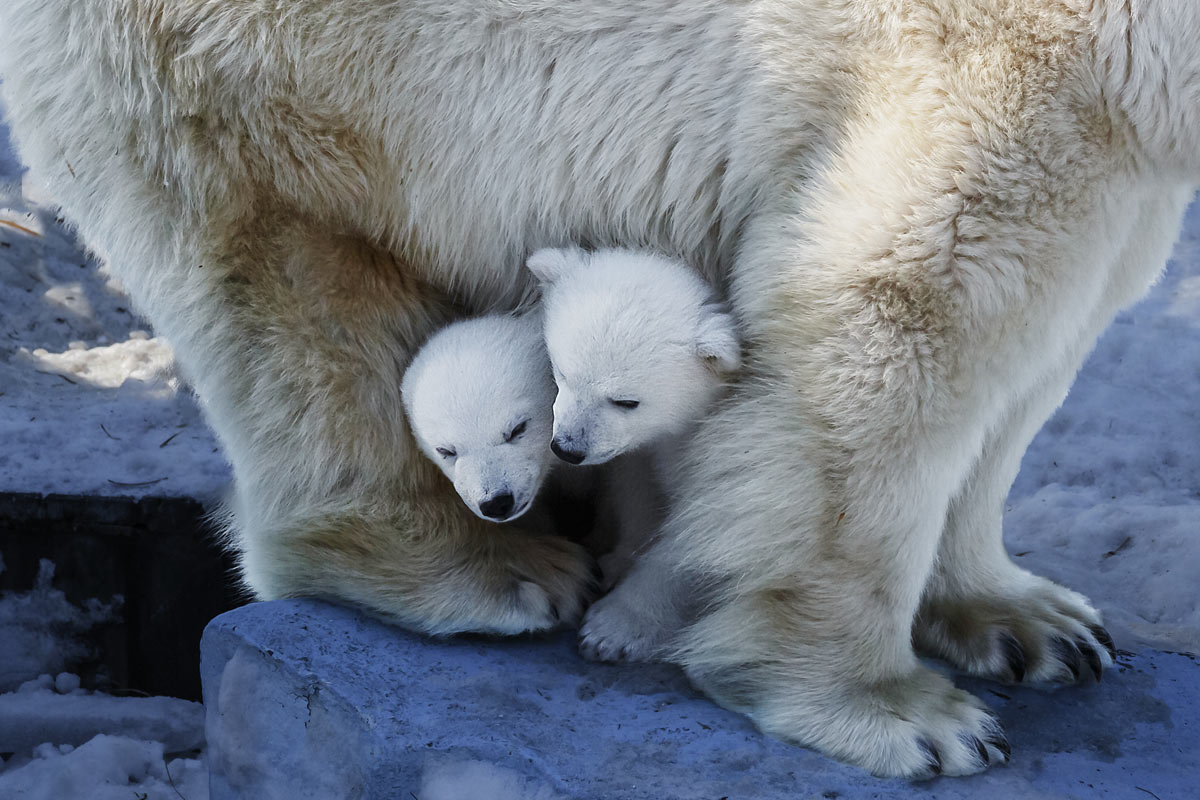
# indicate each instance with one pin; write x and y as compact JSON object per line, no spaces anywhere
{"x":822,"y":543}
{"x":227,"y":211}
{"x":300,"y":365}
{"x":981,"y":612}
{"x":816,"y":497}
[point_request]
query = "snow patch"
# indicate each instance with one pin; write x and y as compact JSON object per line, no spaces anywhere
{"x":88,"y":403}
{"x":37,"y":713}
{"x":475,"y":780}
{"x":42,"y":632}
{"x":105,"y":768}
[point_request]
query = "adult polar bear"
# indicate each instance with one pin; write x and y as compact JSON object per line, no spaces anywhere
{"x":924,"y":212}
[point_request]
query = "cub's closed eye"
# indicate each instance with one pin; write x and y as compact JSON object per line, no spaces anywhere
{"x":517,"y":431}
{"x":446,"y":452}
{"x":626,"y":404}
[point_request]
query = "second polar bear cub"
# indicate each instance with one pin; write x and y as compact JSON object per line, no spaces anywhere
{"x":478,"y":397}
{"x":640,"y":348}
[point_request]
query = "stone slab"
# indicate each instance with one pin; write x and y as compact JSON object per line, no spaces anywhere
{"x":308,"y":700}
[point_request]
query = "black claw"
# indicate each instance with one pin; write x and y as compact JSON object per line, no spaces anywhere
{"x":1000,"y":742}
{"x":1069,"y":655}
{"x":1092,"y":657}
{"x":981,"y":748}
{"x":1102,"y":636}
{"x":1014,"y":654}
{"x":931,"y":755}
{"x":554,"y":613}
{"x":597,"y":574}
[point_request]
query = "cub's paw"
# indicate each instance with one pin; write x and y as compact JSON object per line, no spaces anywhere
{"x":546,"y":586}
{"x":1043,"y":633}
{"x":617,"y":628}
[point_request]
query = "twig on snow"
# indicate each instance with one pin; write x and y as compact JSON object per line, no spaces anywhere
{"x":167,"y":767}
{"x":21,"y":228}
{"x":56,"y":374}
{"x":138,"y":483}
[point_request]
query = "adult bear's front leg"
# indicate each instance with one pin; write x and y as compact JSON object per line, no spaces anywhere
{"x":297,"y":347}
{"x":821,"y":552}
{"x":815,"y":500}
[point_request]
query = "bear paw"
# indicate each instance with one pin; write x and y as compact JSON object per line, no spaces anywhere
{"x":1043,"y":633}
{"x":549,"y":588}
{"x":619,"y":629}
{"x":918,"y":727}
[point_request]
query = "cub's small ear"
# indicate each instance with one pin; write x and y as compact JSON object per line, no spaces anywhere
{"x":550,"y":264}
{"x":717,"y":339}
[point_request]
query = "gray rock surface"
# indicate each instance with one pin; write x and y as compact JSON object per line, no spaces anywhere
{"x":308,"y":700}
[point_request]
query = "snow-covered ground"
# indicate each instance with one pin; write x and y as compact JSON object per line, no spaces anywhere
{"x":1108,"y":500}
{"x":87,"y":401}
{"x":59,"y":741}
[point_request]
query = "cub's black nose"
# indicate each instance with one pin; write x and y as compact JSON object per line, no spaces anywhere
{"x":569,"y":456}
{"x":498,"y":507}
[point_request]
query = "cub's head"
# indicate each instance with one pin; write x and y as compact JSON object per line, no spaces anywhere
{"x":479,"y":397}
{"x":638,"y":347}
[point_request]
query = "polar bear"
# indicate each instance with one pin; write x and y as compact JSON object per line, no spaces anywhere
{"x":479,"y":398}
{"x":641,"y":347}
{"x":924,"y":214}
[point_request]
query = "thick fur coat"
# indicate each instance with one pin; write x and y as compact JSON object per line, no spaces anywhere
{"x":924,"y":214}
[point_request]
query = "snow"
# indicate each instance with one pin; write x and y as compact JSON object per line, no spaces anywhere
{"x":41,"y":631}
{"x":67,"y":743}
{"x":40,"y":712}
{"x":105,"y":768}
{"x":461,"y":779}
{"x":88,"y":404}
{"x":1108,"y":498}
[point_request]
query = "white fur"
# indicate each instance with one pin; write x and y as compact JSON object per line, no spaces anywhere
{"x":924,"y":214}
{"x":466,"y":391}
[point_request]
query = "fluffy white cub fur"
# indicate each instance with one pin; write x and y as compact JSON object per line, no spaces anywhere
{"x":641,"y":349}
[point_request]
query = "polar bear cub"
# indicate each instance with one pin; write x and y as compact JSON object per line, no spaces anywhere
{"x":640,"y":350}
{"x":479,"y":397}
{"x":639,"y":346}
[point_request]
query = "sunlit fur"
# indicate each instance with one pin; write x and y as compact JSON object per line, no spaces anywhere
{"x":466,"y":390}
{"x":924,"y":214}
